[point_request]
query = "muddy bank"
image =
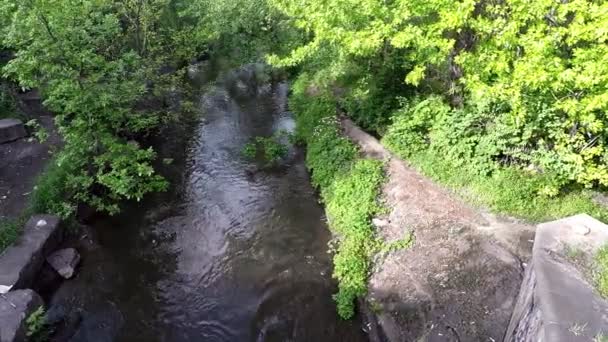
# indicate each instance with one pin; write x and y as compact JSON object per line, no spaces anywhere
{"x":460,"y":279}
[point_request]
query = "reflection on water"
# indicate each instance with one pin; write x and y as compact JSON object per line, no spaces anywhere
{"x":239,"y":256}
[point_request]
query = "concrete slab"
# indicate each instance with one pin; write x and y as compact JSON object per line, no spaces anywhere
{"x":15,"y":308}
{"x":11,"y":129}
{"x":20,"y":263}
{"x":557,"y":302}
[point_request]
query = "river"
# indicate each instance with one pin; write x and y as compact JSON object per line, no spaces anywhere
{"x":238,"y":254}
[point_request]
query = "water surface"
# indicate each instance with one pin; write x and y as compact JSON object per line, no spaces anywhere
{"x":234,"y":253}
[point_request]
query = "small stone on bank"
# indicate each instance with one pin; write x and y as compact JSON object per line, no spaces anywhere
{"x":379,"y":222}
{"x":64,"y":261}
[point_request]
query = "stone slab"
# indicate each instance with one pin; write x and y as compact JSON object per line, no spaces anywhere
{"x":557,"y":302}
{"x":11,"y":129}
{"x":15,"y":308}
{"x":21,"y":262}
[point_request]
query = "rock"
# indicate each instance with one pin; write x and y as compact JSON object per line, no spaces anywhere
{"x":64,"y":261}
{"x":21,"y":262}
{"x":557,"y":302}
{"x":11,"y":129}
{"x":379,"y":222}
{"x":15,"y":308}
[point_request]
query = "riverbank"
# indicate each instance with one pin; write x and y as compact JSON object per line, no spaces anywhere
{"x":21,"y":164}
{"x":457,"y":268}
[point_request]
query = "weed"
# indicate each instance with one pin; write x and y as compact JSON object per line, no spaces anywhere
{"x":37,"y":327}
{"x":272,"y":149}
{"x":9,"y":232}
{"x":578,"y":329}
{"x":349,"y":188}
{"x":601,"y":271}
{"x":52,"y":191}
{"x":404,"y":243}
{"x":40,"y":133}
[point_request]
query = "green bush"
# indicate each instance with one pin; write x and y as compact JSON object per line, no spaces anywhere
{"x":52,"y":191}
{"x":351,"y":201}
{"x":349,"y":187}
{"x":527,"y":81}
{"x":271,"y":148}
{"x":439,"y":140}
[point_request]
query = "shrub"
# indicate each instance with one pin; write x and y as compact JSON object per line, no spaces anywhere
{"x":349,"y":188}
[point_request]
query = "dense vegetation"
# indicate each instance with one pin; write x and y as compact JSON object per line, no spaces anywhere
{"x":507,"y":91}
{"x":349,"y":188}
{"x":513,"y":94}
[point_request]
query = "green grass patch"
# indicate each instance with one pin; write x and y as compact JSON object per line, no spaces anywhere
{"x":507,"y":191}
{"x":50,"y":195}
{"x":9,"y":231}
{"x":601,"y":271}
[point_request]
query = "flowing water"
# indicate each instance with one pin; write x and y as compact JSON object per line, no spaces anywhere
{"x":238,"y":254}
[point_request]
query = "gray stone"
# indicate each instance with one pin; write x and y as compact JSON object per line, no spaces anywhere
{"x":64,"y":261}
{"x":15,"y":308}
{"x":11,"y":129}
{"x":557,"y":303}
{"x":379,"y":222}
{"x":21,"y":262}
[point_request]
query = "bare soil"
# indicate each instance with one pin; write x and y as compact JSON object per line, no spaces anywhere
{"x":22,"y":161}
{"x":460,"y":279}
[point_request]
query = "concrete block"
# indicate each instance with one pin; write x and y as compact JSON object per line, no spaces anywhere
{"x":21,"y":262}
{"x":11,"y":129}
{"x":557,"y":301}
{"x":15,"y":308}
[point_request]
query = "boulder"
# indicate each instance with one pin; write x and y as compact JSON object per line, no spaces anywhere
{"x":64,"y":261}
{"x":15,"y":308}
{"x":557,"y":301}
{"x":11,"y":129}
{"x":21,"y":262}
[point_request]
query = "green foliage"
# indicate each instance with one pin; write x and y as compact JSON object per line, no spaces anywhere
{"x":601,"y":272}
{"x":7,"y":103}
{"x":40,"y":133}
{"x":52,"y":192}
{"x":96,"y":62}
{"x":351,"y":202}
{"x":349,"y":188}
{"x":404,"y":243}
{"x":37,"y":326}
{"x":271,"y":148}
{"x":527,"y":81}
{"x":250,"y":150}
{"x":9,"y":232}
{"x":508,"y":190}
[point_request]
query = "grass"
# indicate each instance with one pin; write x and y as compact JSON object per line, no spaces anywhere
{"x":507,"y":191}
{"x":47,"y":197}
{"x":601,"y":271}
{"x":9,"y":231}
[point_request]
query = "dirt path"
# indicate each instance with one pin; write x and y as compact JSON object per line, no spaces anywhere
{"x":460,"y":279}
{"x":23,"y":160}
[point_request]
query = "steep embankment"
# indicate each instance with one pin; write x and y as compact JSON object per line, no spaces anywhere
{"x":459,"y":280}
{"x":459,"y":276}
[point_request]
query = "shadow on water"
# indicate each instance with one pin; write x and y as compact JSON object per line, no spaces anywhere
{"x":234,"y":256}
